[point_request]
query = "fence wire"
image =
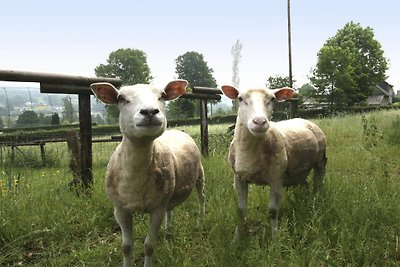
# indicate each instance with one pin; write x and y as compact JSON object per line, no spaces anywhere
{"x":15,"y":100}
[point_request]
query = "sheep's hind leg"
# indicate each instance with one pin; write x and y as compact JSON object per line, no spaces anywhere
{"x":202,"y":198}
{"x":242,"y":192}
{"x":156,"y":218}
{"x":318,"y":175}
{"x":168,"y":222}
{"x":124,"y":219}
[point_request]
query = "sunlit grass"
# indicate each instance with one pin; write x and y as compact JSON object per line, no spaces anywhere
{"x":354,"y":222}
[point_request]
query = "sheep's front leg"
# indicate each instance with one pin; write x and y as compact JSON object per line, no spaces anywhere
{"x":124,"y":219}
{"x":274,"y":199}
{"x":242,"y":192}
{"x":156,"y":218}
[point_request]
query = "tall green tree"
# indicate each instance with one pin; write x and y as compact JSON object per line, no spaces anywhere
{"x":129,"y":65}
{"x":192,"y":67}
{"x":55,"y":119}
{"x":307,"y":90}
{"x":278,"y":81}
{"x":68,"y":114}
{"x":28,"y":118}
{"x":348,"y":65}
{"x":1,"y":123}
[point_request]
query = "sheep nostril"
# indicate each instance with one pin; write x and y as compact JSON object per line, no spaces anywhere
{"x":155,"y":111}
{"x":260,"y":121}
{"x":149,"y":111}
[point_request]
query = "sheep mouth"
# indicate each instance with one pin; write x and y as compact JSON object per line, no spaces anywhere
{"x":262,"y":129}
{"x":257,"y":131}
{"x":149,"y":123}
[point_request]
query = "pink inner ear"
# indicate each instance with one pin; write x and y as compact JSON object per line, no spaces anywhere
{"x":230,"y":91}
{"x":284,"y":93}
{"x":175,"y":89}
{"x":105,"y":92}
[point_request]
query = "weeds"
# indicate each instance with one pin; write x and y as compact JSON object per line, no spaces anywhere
{"x":372,"y":136}
{"x":355,"y":222}
{"x":394,"y":131}
{"x":11,"y":184}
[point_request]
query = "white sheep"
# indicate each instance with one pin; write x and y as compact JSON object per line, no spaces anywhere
{"x":152,"y":170}
{"x":271,"y":153}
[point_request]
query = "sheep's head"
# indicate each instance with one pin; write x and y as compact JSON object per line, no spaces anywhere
{"x":255,"y":105}
{"x":141,"y":106}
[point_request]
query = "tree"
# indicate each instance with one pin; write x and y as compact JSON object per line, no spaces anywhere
{"x":191,"y":67}
{"x":278,"y":81}
{"x":55,"y":119}
{"x":306,"y":94}
{"x":68,"y":114}
{"x":307,"y":90}
{"x":129,"y":65}
{"x":236,"y":53}
{"x":1,"y":123}
{"x":348,"y":65}
{"x":28,"y":118}
{"x":97,"y":119}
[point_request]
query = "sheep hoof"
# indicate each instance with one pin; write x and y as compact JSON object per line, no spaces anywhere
{"x":239,"y":236}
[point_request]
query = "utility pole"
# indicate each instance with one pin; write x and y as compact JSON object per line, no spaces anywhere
{"x":293,"y":103}
{"x":289,"y":45}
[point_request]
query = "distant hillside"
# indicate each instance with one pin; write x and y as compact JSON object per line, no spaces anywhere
{"x":21,"y":98}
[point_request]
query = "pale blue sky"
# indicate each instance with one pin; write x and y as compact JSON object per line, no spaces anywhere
{"x":73,"y":37}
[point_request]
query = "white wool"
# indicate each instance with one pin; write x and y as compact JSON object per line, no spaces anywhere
{"x":151,"y":170}
{"x":268,"y":153}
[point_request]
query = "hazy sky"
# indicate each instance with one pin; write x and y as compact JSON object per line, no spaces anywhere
{"x":73,"y":37}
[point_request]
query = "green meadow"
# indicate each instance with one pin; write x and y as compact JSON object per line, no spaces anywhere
{"x":354,"y":221}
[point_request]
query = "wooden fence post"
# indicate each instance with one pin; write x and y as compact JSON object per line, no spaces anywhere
{"x":204,"y":127}
{"x":204,"y":94}
{"x":85,"y":126}
{"x":74,"y":149}
{"x":42,"y":152}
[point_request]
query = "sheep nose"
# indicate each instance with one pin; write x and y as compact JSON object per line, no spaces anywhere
{"x":149,"y":112}
{"x":260,"y":121}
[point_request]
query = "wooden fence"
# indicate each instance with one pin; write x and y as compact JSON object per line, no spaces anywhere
{"x":68,"y":84}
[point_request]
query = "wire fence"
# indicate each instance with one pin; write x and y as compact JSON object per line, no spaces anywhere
{"x":15,"y":100}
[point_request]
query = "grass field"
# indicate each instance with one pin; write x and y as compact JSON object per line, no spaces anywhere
{"x":355,"y":221}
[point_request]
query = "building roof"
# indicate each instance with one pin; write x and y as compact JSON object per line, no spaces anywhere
{"x":385,"y":87}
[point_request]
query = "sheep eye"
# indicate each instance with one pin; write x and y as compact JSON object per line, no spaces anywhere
{"x":241,"y":100}
{"x":122,"y":100}
{"x":163,"y":95}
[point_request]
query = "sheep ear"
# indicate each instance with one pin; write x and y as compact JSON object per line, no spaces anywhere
{"x":230,"y":91}
{"x":106,"y":92}
{"x":284,"y":93}
{"x":175,"y":89}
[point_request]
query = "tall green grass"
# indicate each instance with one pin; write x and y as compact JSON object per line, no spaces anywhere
{"x":355,"y":221}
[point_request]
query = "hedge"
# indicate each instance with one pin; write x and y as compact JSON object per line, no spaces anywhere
{"x":60,"y":132}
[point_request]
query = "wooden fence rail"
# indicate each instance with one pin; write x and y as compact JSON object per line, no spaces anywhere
{"x":68,"y":84}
